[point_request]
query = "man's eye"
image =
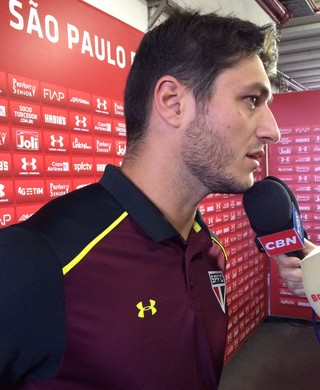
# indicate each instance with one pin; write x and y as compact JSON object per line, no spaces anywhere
{"x":253,"y":100}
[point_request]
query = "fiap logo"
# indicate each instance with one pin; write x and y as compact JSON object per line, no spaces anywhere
{"x":5,"y":218}
{"x":53,"y":94}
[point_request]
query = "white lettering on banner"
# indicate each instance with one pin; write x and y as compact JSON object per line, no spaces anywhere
{"x":55,"y":119}
{"x":79,"y":101}
{"x":103,"y":146}
{"x":119,"y":110}
{"x":5,"y":219}
{"x":30,"y":191}
{"x":76,"y":144}
{"x":58,"y":189}
{"x":3,"y":110}
{"x":51,"y":26}
{"x":58,"y":167}
{"x":47,"y":27}
{"x":120,"y":148}
{"x":100,"y":49}
{"x":4,"y":166}
{"x":53,"y":95}
{"x":101,"y":167}
{"x":23,"y":88}
{"x":281,"y":243}
{"x":82,"y":167}
{"x":24,"y":217}
{"x":27,"y":140}
{"x":2,"y":192}
{"x":3,"y":136}
{"x":103,"y":127}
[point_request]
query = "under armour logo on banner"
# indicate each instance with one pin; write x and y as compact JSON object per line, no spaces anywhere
{"x":57,"y":141}
{"x":82,"y":122}
{"x":101,"y":104}
{"x":31,"y":163}
{"x":2,"y":193}
{"x":143,"y":309}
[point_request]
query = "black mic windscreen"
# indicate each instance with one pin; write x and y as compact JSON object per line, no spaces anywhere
{"x":268,"y":207}
{"x":285,"y":185}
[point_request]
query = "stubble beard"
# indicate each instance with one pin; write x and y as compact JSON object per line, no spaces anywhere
{"x":207,"y":155}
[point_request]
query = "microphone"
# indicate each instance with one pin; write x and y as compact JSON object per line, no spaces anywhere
{"x":274,"y":215}
{"x":288,"y":189}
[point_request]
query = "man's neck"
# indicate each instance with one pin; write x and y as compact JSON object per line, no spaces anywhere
{"x":168,"y":195}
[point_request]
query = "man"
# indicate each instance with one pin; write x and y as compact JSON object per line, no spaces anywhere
{"x":110,"y":287}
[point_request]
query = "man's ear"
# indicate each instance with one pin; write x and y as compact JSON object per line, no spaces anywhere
{"x":169,"y":100}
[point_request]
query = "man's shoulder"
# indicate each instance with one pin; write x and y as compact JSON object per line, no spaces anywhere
{"x":67,"y":224}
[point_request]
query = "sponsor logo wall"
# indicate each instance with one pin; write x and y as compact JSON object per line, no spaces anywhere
{"x":53,"y":140}
{"x":296,"y":161}
{"x":62,"y":75}
{"x":61,"y":121}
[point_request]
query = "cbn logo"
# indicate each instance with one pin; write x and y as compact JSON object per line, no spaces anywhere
{"x":143,"y":309}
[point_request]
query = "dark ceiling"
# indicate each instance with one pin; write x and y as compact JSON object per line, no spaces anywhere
{"x":299,"y":47}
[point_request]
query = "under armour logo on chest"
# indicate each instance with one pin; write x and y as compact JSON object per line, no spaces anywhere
{"x":142,"y":309}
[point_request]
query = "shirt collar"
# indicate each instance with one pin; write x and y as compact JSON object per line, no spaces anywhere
{"x":140,"y":208}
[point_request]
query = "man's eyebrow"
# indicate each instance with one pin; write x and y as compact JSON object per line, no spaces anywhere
{"x":262,"y":89}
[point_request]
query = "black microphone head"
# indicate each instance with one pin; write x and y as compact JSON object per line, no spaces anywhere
{"x":285,"y":185}
{"x":268,"y":207}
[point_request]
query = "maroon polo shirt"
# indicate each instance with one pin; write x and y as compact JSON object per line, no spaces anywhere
{"x":144,"y":309}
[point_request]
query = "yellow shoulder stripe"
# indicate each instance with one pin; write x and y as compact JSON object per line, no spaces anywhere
{"x":196,"y":227}
{"x":94,"y":242}
{"x":221,"y":246}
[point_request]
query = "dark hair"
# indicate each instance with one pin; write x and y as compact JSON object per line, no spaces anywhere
{"x":194,"y":49}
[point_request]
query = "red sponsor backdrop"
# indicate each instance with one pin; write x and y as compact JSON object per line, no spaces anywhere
{"x":62,"y":74}
{"x":296,"y":160}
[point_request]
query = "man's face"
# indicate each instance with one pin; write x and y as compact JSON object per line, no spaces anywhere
{"x":223,"y":144}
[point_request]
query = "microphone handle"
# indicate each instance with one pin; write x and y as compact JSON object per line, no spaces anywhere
{"x":298,"y":254}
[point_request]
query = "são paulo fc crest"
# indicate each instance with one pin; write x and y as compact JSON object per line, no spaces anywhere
{"x":218,"y":285}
